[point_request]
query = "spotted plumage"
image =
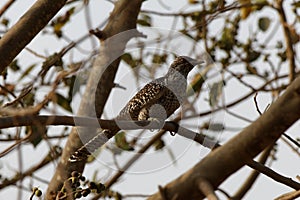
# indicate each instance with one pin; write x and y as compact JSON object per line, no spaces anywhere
{"x":158,"y":99}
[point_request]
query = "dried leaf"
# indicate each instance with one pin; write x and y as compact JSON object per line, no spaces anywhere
{"x":264,"y":23}
{"x":27,"y":71}
{"x":14,"y":65}
{"x":60,"y":21}
{"x":145,"y":20}
{"x":63,"y":102}
{"x":159,"y":144}
{"x":36,"y":134}
{"x":122,"y":143}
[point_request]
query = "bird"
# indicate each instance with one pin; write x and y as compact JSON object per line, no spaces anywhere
{"x":157,"y":100}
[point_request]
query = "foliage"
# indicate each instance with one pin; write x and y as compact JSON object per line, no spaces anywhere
{"x":249,"y":47}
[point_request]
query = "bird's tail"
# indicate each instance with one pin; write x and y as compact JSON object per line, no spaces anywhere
{"x":92,"y":145}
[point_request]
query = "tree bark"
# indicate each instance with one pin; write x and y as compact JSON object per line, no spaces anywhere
{"x":227,"y":159}
{"x":113,"y":42}
{"x":28,"y":26}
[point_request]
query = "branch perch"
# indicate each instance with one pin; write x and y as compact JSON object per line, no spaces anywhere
{"x":172,"y":126}
{"x":227,"y":159}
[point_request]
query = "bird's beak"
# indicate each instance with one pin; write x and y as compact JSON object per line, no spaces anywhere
{"x":196,"y":62}
{"x":192,"y":61}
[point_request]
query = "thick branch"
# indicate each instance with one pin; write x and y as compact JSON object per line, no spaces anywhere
{"x":45,"y":120}
{"x":28,"y":26}
{"x":226,"y":160}
{"x":246,"y":186}
{"x":122,"y":18}
{"x":42,"y":120}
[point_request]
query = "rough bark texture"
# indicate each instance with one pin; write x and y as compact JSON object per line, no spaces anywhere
{"x":226,"y":160}
{"x":122,"y":18}
{"x":28,"y":26}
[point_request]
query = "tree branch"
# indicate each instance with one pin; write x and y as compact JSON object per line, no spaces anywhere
{"x":227,"y":159}
{"x":246,"y":186}
{"x":288,"y":40}
{"x":6,"y":6}
{"x":28,"y":26}
{"x":43,"y":120}
{"x":52,"y":155}
{"x":113,"y":43}
{"x":241,"y":99}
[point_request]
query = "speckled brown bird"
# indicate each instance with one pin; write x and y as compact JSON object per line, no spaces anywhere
{"x":157,"y":100}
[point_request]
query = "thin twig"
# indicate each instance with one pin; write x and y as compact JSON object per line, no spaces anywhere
{"x":169,"y":126}
{"x":256,"y":104}
{"x":296,"y":150}
{"x":241,"y":99}
{"x":6,"y":6}
{"x":246,"y":186}
{"x":48,"y":158}
{"x":292,"y":140}
{"x":290,"y":53}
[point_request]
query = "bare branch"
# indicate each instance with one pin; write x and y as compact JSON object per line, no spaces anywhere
{"x":288,"y":40}
{"x":289,"y":196}
{"x":241,"y":99}
{"x":52,"y":155}
{"x":28,"y":26}
{"x":253,"y":176}
{"x":6,"y":6}
{"x":237,"y":152}
{"x":122,"y":18}
{"x":256,"y":104}
{"x":207,"y":189}
{"x":6,"y":122}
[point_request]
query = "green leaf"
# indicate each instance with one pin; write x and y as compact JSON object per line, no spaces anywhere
{"x":60,"y":21}
{"x":251,"y":70}
{"x":122,"y":143}
{"x":227,"y":40}
{"x":196,"y":84}
{"x":193,"y":1}
{"x":14,"y":65}
{"x":73,"y":86}
{"x":252,"y":56}
{"x":145,"y":20}
{"x":27,"y":71}
{"x":159,"y":144}
{"x":36,"y":134}
{"x":215,"y":93}
{"x":5,"y":22}
{"x":63,"y":102}
{"x":196,"y":16}
{"x":279,"y":45}
{"x":28,"y":100}
{"x":264,"y":23}
{"x":4,"y":73}
{"x":128,"y":59}
{"x":159,"y":59}
{"x":259,"y":4}
{"x":282,"y":55}
{"x":296,"y":4}
{"x":53,"y":60}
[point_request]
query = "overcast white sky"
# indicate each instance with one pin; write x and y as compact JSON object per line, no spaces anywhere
{"x":153,"y":169}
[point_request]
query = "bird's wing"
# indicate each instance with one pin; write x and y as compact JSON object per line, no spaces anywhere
{"x":146,"y":97}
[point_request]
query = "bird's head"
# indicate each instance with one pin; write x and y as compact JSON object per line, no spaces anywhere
{"x":183,"y":65}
